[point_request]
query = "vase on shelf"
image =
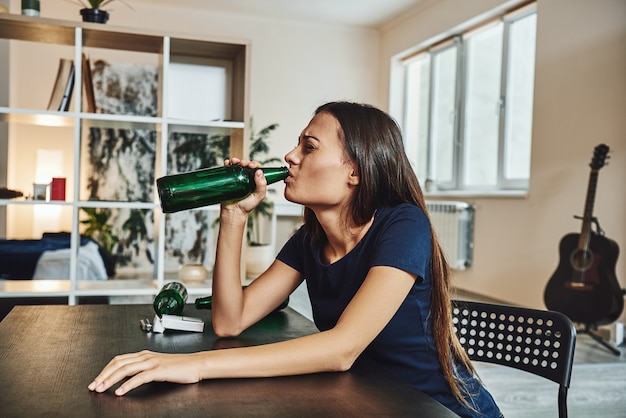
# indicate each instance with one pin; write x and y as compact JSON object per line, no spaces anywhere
{"x":94,"y":15}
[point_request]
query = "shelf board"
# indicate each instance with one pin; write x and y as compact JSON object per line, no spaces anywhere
{"x":101,"y":36}
{"x":117,"y":205}
{"x":62,"y":32}
{"x":80,"y":204}
{"x":37,"y":117}
{"x":30,"y":288}
{"x":116,"y":287}
{"x":199,"y":127}
{"x":67,"y":119}
{"x":200,"y":48}
{"x":31,"y":202}
{"x":225,"y":124}
{"x":102,"y":120}
{"x":36,"y":29}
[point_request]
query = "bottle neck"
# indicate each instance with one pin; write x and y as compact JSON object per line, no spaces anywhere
{"x":275,"y":174}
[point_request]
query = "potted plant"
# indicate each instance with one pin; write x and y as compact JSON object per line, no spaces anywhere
{"x":98,"y":228}
{"x":92,"y":10}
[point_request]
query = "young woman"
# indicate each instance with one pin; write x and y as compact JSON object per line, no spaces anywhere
{"x":377,"y":279}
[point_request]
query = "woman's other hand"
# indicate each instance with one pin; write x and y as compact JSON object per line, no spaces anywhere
{"x":147,"y":366}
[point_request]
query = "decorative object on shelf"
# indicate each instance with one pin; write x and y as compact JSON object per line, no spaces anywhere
{"x":63,"y":86}
{"x":193,"y":273}
{"x":94,"y":15}
{"x":90,"y":99}
{"x":57,"y":188}
{"x":30,"y":7}
{"x":9,"y":194}
{"x":40,"y":191}
{"x":120,"y":162}
{"x":93,"y":12}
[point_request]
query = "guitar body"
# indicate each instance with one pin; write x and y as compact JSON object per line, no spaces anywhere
{"x":589,"y":292}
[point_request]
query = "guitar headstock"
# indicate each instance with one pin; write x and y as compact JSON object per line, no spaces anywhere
{"x":600,"y":155}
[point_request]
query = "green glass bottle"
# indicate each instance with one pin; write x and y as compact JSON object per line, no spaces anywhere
{"x":210,"y":186}
{"x":171,"y":299}
{"x":206,"y":302}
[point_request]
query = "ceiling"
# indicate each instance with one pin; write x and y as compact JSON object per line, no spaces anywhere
{"x":344,"y":12}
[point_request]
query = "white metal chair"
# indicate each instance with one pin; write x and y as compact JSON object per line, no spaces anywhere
{"x":536,"y":341}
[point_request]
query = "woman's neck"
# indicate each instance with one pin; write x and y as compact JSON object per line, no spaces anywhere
{"x":341,"y":238}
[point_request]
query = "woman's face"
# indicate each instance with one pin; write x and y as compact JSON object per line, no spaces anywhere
{"x":319,"y":176}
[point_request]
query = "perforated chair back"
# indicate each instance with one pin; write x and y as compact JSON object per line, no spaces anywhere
{"x":536,"y":341}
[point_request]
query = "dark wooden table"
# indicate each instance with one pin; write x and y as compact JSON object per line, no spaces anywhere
{"x":49,"y":354}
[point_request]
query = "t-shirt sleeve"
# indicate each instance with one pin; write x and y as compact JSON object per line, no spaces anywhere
{"x":404,"y":241}
{"x":293,"y":251}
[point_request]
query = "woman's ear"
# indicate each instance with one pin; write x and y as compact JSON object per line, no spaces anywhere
{"x":354,"y":177}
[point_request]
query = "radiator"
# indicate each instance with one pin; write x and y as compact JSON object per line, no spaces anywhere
{"x":453,"y":223}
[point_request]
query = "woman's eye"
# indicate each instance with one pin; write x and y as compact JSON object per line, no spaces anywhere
{"x":309,"y":148}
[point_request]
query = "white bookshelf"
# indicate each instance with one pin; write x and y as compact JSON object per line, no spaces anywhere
{"x":50,"y":35}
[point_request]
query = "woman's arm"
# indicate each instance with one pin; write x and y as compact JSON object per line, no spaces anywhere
{"x":370,"y":310}
{"x":232,"y":310}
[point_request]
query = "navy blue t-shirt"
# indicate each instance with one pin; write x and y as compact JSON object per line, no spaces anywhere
{"x":399,"y":237}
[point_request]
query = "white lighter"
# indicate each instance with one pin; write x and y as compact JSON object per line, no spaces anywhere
{"x":177,"y":323}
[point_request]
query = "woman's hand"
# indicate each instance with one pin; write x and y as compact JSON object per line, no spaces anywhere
{"x":147,"y":366}
{"x":255,"y":198}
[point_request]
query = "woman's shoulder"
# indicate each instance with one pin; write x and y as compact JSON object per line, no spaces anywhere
{"x":407,"y":211}
{"x":404,"y":219}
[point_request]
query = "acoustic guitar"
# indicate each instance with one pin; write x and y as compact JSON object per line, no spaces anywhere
{"x":584,"y":286}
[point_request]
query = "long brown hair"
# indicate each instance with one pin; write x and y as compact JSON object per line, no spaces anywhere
{"x":373,"y":142}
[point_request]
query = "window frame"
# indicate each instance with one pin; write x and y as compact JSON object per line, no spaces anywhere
{"x":458,"y":185}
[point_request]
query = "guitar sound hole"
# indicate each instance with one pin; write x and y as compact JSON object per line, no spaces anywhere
{"x":581,"y":260}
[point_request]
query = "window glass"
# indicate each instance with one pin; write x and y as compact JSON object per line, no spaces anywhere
{"x":482,"y":106}
{"x":443,"y":115}
{"x":519,"y":109}
{"x":416,"y":113}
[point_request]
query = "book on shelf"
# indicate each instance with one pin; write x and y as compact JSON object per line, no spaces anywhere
{"x":90,"y":98}
{"x":63,"y":86}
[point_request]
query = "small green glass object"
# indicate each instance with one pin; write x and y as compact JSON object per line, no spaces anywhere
{"x":171,"y":299}
{"x":211,"y":185}
{"x":206,"y":302}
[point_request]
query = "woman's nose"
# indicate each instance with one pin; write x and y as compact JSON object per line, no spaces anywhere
{"x":291,"y":156}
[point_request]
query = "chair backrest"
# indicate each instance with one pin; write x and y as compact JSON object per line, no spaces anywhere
{"x":537,"y":341}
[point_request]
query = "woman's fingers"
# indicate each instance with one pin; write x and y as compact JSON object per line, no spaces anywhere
{"x":120,"y":367}
{"x":144,"y":367}
{"x":244,"y":162}
{"x":134,"y":382}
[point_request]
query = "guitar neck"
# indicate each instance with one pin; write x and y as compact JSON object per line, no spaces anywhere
{"x":583,"y":241}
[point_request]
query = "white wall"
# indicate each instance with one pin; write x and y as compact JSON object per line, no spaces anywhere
{"x":580,"y":101}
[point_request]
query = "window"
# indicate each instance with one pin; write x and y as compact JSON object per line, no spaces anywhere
{"x":467,"y":107}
